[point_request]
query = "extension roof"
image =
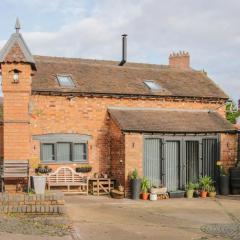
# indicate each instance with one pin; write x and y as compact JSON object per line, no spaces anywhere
{"x":161,"y":120}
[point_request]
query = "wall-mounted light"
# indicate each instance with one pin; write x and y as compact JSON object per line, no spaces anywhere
{"x":15,"y":75}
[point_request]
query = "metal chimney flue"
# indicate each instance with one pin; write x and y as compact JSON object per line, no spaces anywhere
{"x":124,"y":50}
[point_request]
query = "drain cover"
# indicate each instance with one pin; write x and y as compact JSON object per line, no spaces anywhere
{"x":231,"y":231}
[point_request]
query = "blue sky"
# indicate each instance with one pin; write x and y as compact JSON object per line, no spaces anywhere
{"x":209,"y":30}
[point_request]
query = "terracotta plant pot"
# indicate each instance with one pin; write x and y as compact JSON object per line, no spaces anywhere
{"x":203,"y":194}
{"x":212,"y":194}
{"x":145,"y":196}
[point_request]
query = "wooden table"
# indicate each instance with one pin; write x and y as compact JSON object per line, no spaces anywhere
{"x":101,"y":186}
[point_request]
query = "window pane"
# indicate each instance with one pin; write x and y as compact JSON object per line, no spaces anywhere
{"x":63,"y":152}
{"x":65,"y":81}
{"x":47,"y":152}
{"x":80,"y":152}
{"x":152,"y":85}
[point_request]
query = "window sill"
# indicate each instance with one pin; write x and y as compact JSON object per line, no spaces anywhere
{"x":61,"y":163}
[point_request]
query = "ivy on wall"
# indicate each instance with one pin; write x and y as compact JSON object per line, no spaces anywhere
{"x":232,"y":112}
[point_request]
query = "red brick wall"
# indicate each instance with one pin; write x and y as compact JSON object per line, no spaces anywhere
{"x":229,"y":146}
{"x":117,"y":153}
{"x":1,"y":141}
{"x":133,"y":157}
{"x":16,"y":117}
{"x":88,"y":115}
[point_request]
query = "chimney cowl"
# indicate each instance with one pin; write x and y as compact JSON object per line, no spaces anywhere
{"x":180,"y":60}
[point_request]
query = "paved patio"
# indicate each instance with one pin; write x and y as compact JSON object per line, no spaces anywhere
{"x":104,"y":218}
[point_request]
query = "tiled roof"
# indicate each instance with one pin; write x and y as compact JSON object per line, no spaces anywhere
{"x":16,"y":50}
{"x":106,"y":77}
{"x":169,"y":120}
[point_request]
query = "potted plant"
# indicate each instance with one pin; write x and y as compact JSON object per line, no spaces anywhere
{"x":135,"y":184}
{"x":205,"y":182}
{"x":224,"y":179}
{"x":196,"y":193}
{"x":144,"y":187}
{"x":212,"y":191}
{"x":43,"y":170}
{"x":39,"y":180}
{"x":84,"y":168}
{"x":190,"y":189}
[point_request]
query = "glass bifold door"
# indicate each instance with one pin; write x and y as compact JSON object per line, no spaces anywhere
{"x":174,"y":161}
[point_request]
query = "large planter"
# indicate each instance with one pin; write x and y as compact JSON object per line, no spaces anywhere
{"x":224,"y":185}
{"x":83,"y":169}
{"x":39,"y":183}
{"x":176,"y":194}
{"x":135,"y":187}
{"x":235,"y":180}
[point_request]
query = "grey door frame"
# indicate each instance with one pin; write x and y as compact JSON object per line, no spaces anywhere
{"x":182,"y":138}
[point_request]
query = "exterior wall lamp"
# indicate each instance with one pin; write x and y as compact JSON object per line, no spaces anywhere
{"x":15,"y":75}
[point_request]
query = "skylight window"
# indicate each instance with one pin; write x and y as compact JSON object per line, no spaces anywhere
{"x":152,"y":85}
{"x":65,"y":81}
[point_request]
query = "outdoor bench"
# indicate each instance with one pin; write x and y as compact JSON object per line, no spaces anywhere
{"x":14,"y":169}
{"x":67,"y":177}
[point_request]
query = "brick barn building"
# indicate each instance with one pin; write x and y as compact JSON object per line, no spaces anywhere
{"x":167,"y":121}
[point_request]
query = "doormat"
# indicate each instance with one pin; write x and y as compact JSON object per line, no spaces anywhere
{"x":231,"y":231}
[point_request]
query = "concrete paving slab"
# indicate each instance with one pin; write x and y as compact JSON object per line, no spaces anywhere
{"x":105,"y":218}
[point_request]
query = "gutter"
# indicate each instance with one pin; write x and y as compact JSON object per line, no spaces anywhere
{"x":121,"y":95}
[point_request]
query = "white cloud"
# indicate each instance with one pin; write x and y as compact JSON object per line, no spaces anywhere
{"x":209,"y":30}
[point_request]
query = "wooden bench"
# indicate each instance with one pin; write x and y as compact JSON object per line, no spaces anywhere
{"x":14,"y":169}
{"x":67,"y":177}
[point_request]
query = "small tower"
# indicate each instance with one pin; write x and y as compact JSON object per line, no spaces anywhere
{"x":17,"y":65}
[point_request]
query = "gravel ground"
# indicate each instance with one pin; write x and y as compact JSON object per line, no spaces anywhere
{"x":40,"y":225}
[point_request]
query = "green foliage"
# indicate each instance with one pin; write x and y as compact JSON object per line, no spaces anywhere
{"x":145,"y":185}
{"x":222,"y":170}
{"x":205,"y":182}
{"x":134,"y":174}
{"x":211,"y":188}
{"x":232,"y":113}
{"x":191,"y":186}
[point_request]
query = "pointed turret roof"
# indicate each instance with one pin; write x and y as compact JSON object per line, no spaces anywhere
{"x":16,"y":49}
